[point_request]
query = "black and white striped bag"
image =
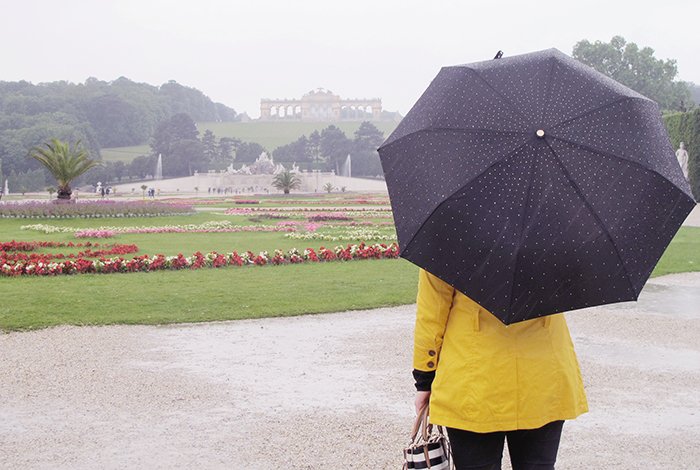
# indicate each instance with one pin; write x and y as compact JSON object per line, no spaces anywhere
{"x":429,"y":447}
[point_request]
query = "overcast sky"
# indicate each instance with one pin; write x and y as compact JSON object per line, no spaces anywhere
{"x":237,"y":52}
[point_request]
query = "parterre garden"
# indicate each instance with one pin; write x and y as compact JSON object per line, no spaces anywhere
{"x":180,"y":260}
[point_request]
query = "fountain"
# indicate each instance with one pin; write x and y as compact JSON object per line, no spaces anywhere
{"x":159,"y":168}
{"x":6,"y":191}
{"x":346,"y":168}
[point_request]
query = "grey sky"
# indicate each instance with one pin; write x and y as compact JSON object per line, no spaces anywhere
{"x":238,"y":52}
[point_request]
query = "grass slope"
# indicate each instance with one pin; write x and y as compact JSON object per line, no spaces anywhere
{"x":269,"y":134}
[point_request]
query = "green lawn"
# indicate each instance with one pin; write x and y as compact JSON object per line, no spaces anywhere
{"x":226,"y":293}
{"x":683,"y":255}
{"x":205,"y":295}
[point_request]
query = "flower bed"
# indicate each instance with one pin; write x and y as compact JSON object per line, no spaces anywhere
{"x":356,"y":234}
{"x":326,"y":216}
{"x":348,"y":212}
{"x":254,"y":210}
{"x":92,"y":233}
{"x":198,"y":260}
{"x":33,"y":245}
{"x":359,"y":201}
{"x":222,"y":226}
{"x":14,"y":252}
{"x":91,"y":209}
{"x":246,"y":201}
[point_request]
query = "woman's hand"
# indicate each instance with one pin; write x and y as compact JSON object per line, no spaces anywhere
{"x":422,"y":399}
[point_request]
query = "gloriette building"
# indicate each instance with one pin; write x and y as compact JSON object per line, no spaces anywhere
{"x":321,"y":105}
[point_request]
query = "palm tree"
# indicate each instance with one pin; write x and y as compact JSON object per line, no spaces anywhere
{"x":64,"y":162}
{"x":286,"y":181}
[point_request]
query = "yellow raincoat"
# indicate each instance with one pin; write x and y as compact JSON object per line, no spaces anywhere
{"x":488,"y":376}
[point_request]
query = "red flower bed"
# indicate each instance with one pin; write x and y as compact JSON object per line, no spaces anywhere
{"x":18,"y":255}
{"x":19,"y":264}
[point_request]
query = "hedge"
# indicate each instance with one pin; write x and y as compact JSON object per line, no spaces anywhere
{"x":685,"y":127}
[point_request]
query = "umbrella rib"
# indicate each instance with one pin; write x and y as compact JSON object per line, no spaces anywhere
{"x":598,"y":108}
{"x":595,"y":215}
{"x":522,"y":229}
{"x":501,"y":95}
{"x":610,"y":155}
{"x":451,"y":129}
{"x":458,"y":190}
{"x":548,"y":95}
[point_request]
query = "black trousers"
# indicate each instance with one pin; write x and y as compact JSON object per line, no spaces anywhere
{"x":529,"y":449}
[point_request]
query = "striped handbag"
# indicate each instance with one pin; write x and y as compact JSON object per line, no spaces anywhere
{"x":429,"y":447}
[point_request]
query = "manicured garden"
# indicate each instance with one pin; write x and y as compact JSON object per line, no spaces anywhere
{"x":232,"y":258}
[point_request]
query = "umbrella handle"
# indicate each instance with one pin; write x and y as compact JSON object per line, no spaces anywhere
{"x":499,"y":54}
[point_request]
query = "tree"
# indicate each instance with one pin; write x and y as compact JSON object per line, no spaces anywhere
{"x":286,"y":181}
{"x":313,"y":146}
{"x":226,"y":147}
{"x":248,"y":152}
{"x":335,"y":146}
{"x":170,"y":132}
{"x":211,"y":152}
{"x":365,"y":159}
{"x":142,"y":166}
{"x":186,"y":157}
{"x":368,"y":137}
{"x":638,"y":69}
{"x":328,"y":187}
{"x":64,"y":162}
{"x":297,"y":151}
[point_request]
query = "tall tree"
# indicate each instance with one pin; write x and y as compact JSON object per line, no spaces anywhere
{"x":186,"y":157}
{"x":210,"y":146}
{"x":248,"y":152}
{"x":638,"y":69}
{"x":335,"y":146}
{"x":368,"y":137}
{"x":297,"y":151}
{"x":313,"y":146}
{"x":169,"y":132}
{"x":365,"y":159}
{"x":173,"y":139}
{"x":143,"y":166}
{"x":227,"y":145}
{"x":64,"y":162}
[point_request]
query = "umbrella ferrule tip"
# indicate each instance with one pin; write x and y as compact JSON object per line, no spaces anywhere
{"x":540,"y":133}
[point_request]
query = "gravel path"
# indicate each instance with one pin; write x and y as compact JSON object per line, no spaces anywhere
{"x":317,"y":392}
{"x":693,"y":218}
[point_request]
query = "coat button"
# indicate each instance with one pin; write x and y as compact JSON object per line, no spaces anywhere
{"x":431,"y":364}
{"x":431,"y":353}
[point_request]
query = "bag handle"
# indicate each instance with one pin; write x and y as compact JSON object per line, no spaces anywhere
{"x":421,"y":424}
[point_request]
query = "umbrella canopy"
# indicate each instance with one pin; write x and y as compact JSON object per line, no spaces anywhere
{"x":534,"y":185}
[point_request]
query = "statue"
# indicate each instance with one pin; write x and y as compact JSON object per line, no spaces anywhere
{"x":263,"y":165}
{"x":682,"y":156}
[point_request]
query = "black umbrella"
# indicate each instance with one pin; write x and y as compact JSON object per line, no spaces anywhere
{"x":534,"y":185}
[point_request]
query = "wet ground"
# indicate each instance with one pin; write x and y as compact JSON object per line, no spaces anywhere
{"x":320,"y":391}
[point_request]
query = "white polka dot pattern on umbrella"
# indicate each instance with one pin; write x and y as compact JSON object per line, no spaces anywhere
{"x":534,"y":185}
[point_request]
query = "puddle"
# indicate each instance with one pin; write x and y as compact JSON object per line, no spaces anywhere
{"x":665,"y":300}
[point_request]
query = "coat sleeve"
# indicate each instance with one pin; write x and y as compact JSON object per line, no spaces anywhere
{"x":433,"y":308}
